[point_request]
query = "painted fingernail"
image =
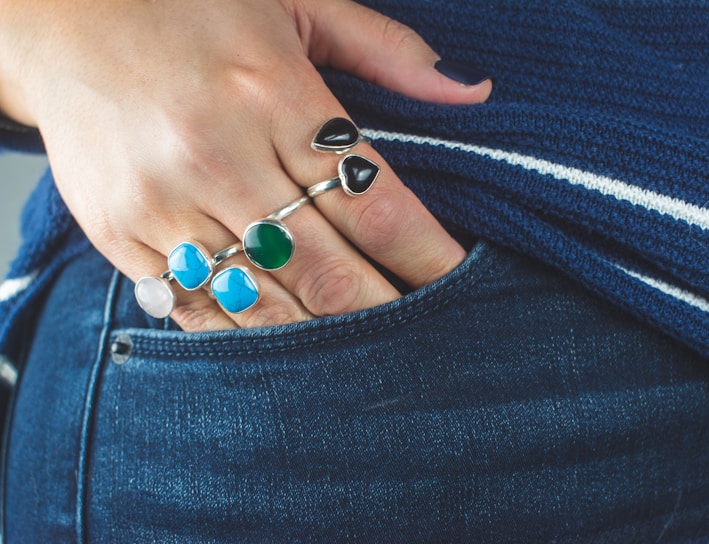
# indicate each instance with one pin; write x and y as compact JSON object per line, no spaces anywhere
{"x":460,"y":72}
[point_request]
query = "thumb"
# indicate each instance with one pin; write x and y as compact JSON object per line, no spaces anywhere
{"x":358,"y":40}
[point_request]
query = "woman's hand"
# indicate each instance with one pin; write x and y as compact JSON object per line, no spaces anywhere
{"x":174,"y":121}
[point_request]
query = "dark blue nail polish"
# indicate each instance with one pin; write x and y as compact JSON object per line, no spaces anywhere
{"x":462,"y":73}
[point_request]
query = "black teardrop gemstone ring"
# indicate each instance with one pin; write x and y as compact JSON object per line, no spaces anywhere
{"x":338,"y":135}
{"x":357,"y":174}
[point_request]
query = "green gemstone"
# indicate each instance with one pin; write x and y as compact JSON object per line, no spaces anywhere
{"x":268,"y":244}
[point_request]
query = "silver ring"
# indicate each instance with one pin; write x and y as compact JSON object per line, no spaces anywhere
{"x":323,"y":187}
{"x":355,"y":174}
{"x":268,"y":243}
{"x":285,"y":211}
{"x":154,"y":294}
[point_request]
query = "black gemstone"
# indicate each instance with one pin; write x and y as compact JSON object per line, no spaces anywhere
{"x":358,"y":174}
{"x":337,"y":134}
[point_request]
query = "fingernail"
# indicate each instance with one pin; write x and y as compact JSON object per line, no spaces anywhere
{"x":462,"y":73}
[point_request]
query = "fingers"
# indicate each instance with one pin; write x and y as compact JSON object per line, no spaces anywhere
{"x":356,"y":39}
{"x":326,"y":273}
{"x":199,"y":310}
{"x":388,"y":223}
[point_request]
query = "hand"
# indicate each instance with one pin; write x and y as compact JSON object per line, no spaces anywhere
{"x":166,"y":122}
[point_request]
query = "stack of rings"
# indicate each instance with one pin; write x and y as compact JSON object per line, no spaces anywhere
{"x":267,"y":243}
{"x":235,"y":288}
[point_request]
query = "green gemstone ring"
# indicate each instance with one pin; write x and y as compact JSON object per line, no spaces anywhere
{"x":268,"y":243}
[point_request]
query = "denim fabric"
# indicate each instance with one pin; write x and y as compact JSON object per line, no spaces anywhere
{"x":501,"y":404}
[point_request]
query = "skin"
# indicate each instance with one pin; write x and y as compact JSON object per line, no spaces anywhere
{"x":173,"y":121}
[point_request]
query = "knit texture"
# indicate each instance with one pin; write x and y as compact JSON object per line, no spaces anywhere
{"x":591,"y":154}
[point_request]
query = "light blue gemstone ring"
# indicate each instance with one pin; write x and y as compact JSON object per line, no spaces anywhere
{"x":235,"y":289}
{"x":191,"y":266}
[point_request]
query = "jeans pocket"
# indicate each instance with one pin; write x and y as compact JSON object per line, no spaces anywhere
{"x":275,"y":432}
{"x":344,"y":329}
{"x":482,"y":407}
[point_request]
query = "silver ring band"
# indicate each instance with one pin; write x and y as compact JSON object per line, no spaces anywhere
{"x":285,"y":211}
{"x":324,"y":186}
{"x":225,"y":253}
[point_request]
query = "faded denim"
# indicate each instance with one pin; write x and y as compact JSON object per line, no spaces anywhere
{"x":503,"y":403}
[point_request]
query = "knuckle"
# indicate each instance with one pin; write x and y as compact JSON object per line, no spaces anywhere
{"x":335,"y":288}
{"x":399,"y":36}
{"x":379,"y":222}
{"x":195,"y":317}
{"x":278,"y":313}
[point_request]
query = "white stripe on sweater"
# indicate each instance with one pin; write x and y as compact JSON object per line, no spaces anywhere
{"x":12,"y":287}
{"x":678,"y":209}
{"x":671,"y":290}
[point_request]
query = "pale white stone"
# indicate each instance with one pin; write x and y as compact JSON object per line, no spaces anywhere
{"x":155,"y":296}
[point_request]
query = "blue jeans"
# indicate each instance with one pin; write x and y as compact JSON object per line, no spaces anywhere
{"x":503,"y":403}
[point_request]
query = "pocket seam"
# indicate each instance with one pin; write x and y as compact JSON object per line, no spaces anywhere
{"x":145,"y":342}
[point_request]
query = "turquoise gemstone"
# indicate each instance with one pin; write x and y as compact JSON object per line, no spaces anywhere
{"x":235,"y":289}
{"x":190,"y":265}
{"x":268,"y":244}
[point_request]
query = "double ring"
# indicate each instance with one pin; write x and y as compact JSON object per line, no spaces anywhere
{"x":192,"y":266}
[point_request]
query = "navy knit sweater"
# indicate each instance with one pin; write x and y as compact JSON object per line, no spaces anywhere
{"x":591,"y":155}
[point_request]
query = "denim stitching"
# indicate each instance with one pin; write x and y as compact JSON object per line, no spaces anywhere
{"x":91,"y":394}
{"x":412,"y":312}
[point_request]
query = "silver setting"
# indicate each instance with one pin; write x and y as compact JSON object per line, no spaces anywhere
{"x":158,"y":311}
{"x":251,"y":277}
{"x":276,"y":220}
{"x":341,"y":179}
{"x":280,"y":225}
{"x":333,"y":148}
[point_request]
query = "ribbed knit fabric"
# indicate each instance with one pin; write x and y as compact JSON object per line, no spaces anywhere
{"x":592,"y":153}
